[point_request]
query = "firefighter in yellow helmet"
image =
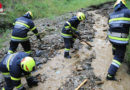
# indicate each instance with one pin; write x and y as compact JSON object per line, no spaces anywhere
{"x":119,"y":24}
{"x":14,"y":66}
{"x":70,"y":32}
{"x":22,"y":26}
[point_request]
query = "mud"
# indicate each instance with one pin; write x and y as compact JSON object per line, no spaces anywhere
{"x":91,"y":64}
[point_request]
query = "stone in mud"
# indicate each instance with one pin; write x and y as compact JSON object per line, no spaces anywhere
{"x":99,"y":82}
{"x":79,"y":68}
{"x":39,"y":53}
{"x":38,"y":63}
{"x":1,"y":80}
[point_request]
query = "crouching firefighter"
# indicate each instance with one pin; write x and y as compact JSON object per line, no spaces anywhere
{"x":22,"y":26}
{"x":14,"y":66}
{"x":119,"y":24}
{"x":70,"y":32}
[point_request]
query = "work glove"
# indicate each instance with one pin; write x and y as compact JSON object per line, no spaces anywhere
{"x":38,"y":37}
{"x":23,"y":88}
{"x":32,"y":81}
{"x":78,"y":35}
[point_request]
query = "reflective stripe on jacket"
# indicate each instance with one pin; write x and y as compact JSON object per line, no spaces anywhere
{"x":12,"y":64}
{"x":70,"y":27}
{"x":119,"y":23}
{"x":22,"y":26}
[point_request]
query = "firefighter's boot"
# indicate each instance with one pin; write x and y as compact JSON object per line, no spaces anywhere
{"x":111,"y":77}
{"x":66,"y":55}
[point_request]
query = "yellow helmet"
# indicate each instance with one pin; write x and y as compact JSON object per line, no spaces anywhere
{"x":118,"y":1}
{"x":28,"y":64}
{"x":29,"y":13}
{"x":81,"y":16}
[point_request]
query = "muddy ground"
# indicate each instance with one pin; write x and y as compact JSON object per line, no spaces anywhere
{"x":92,"y":64}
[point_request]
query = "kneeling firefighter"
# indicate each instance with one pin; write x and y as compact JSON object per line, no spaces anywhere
{"x":14,"y":66}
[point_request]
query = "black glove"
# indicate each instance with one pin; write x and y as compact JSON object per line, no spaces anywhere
{"x":78,"y":35}
{"x":31,"y":81}
{"x":38,"y":37}
{"x":23,"y":88}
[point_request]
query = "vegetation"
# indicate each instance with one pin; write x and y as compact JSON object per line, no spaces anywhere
{"x":45,"y":8}
{"x":4,"y":36}
{"x":128,"y":47}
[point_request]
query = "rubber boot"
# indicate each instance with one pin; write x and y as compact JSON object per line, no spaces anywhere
{"x":111,"y":77}
{"x":66,"y":55}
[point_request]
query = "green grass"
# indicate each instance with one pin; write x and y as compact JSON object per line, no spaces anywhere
{"x":4,"y":37}
{"x":127,"y":57}
{"x":45,"y":8}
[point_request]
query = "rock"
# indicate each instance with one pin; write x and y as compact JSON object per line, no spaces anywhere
{"x":79,"y":68}
{"x":38,"y":63}
{"x":99,"y":82}
{"x":104,"y":30}
{"x":1,"y":80}
{"x":77,"y":56}
{"x":39,"y":53}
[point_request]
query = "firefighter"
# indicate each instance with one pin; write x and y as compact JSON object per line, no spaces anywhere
{"x":22,"y":26}
{"x":119,"y":24}
{"x":14,"y":66}
{"x":70,"y":32}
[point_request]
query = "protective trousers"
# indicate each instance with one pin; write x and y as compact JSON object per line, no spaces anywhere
{"x":25,"y":44}
{"x":119,"y":53}
{"x":8,"y":85}
{"x":6,"y":75}
{"x":68,"y":42}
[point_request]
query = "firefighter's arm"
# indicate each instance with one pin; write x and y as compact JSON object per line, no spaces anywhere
{"x":35,"y":31}
{"x":68,"y":27}
{"x":31,"y":81}
{"x":17,"y":83}
{"x":76,"y":34}
{"x":73,"y":30}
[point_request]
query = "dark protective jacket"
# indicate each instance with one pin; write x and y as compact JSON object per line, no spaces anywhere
{"x":70,"y":28}
{"x":119,"y":23}
{"x":10,"y":66}
{"x":21,"y":27}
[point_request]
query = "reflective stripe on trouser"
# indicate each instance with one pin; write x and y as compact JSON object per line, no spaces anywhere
{"x":6,"y":74}
{"x":68,"y":42}
{"x":19,"y":86}
{"x":67,"y":50}
{"x":118,"y":59}
{"x":3,"y":88}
